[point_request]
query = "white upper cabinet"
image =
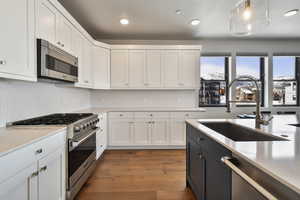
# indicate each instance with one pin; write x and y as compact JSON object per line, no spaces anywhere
{"x":189,"y":62}
{"x":87,"y":64}
{"x":119,"y":69}
{"x":53,"y":26}
{"x":171,"y":68}
{"x":17,"y":49}
{"x":64,"y":34}
{"x":153,"y":69}
{"x":101,"y":68}
{"x":136,"y":68}
{"x":46,"y":21}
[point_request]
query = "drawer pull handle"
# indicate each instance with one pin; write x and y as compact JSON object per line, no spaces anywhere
{"x":249,"y":180}
{"x":39,"y":151}
{"x":43,"y":168}
{"x":34,"y":174}
{"x":121,"y":115}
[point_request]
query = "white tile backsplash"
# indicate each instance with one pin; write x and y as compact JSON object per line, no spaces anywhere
{"x":139,"y":98}
{"x":20,"y":100}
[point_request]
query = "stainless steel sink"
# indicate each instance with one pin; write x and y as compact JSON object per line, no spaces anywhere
{"x":239,"y":133}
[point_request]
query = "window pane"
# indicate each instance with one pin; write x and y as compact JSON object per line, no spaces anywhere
{"x":284,"y":93}
{"x":246,"y":65}
{"x":284,"y":67}
{"x":246,"y":91}
{"x":212,"y":93}
{"x":212,"y":68}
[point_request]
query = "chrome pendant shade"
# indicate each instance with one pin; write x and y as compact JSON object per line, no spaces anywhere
{"x":249,"y":16}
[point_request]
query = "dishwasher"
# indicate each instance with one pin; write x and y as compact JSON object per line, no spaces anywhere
{"x":251,"y":183}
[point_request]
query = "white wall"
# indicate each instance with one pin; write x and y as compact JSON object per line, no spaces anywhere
{"x":20,"y":100}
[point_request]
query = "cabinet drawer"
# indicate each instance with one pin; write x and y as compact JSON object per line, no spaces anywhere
{"x":50,"y":144}
{"x":121,"y":115}
{"x":20,"y":159}
{"x":151,"y":115}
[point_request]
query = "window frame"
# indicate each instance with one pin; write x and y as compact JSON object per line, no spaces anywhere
{"x":261,"y":79}
{"x":226,"y":80}
{"x":296,"y":79}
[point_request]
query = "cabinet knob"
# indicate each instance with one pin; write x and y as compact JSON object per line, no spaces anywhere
{"x":86,"y":81}
{"x":39,"y":151}
{"x":2,"y":62}
{"x":58,"y":43}
{"x":62,"y":45}
{"x":200,"y":156}
{"x":43,"y":168}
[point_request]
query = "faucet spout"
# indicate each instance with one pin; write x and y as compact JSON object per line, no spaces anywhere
{"x":258,"y":120}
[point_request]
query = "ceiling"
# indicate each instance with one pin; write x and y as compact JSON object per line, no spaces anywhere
{"x":156,"y":19}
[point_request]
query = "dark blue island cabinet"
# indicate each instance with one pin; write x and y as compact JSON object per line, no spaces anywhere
{"x":207,"y":175}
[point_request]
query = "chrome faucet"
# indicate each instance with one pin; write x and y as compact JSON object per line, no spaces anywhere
{"x":258,"y":118}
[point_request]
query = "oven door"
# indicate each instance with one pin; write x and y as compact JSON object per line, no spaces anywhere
{"x":82,"y":154}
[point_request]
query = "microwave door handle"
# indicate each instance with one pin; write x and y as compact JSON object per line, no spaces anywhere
{"x":249,"y":180}
{"x":75,"y":143}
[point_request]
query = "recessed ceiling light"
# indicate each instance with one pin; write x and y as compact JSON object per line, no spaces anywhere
{"x":291,"y":12}
{"x":124,"y":21}
{"x":195,"y":22}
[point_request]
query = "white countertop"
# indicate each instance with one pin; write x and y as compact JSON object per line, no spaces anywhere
{"x":13,"y":138}
{"x":141,"y":109}
{"x":280,"y":159}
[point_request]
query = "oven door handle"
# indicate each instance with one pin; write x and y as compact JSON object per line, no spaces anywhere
{"x":249,"y":180}
{"x":75,"y":143}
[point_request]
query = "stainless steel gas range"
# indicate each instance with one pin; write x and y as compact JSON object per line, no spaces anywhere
{"x":81,"y":151}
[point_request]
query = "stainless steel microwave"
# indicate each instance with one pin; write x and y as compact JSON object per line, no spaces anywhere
{"x":55,"y":63}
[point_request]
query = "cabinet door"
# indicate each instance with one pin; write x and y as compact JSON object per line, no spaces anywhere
{"x":22,"y":186}
{"x":47,"y":19}
{"x":119,"y":68}
{"x":196,"y":171}
{"x":153,"y":68}
{"x":159,"y":133}
{"x":189,"y":61}
{"x":52,"y":176}
{"x":177,"y":132}
{"x":136,"y":68}
{"x":120,"y":132}
{"x":171,"y":67}
{"x":101,"y":68}
{"x":17,"y":49}
{"x":87,"y":64}
{"x":64,"y":34}
{"x":141,"y":134}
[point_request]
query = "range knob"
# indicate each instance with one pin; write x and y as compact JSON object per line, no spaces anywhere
{"x":77,"y":128}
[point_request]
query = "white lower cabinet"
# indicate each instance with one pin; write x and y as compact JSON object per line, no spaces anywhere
{"x":159,"y":132}
{"x":43,"y":175}
{"x":120,"y":132}
{"x":52,"y":176}
{"x":21,"y":186}
{"x":143,"y":129}
{"x":177,"y":132}
{"x":101,"y":135}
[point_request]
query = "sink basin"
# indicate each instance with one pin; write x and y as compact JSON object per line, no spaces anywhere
{"x":239,"y":133}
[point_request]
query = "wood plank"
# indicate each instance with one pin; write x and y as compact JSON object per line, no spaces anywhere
{"x":138,"y":175}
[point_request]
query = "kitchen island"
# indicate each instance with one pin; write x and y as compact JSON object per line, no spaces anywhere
{"x":278,"y":159}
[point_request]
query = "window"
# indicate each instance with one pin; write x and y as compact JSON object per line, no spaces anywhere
{"x":214,"y":79}
{"x":285,"y":81}
{"x":250,"y":66}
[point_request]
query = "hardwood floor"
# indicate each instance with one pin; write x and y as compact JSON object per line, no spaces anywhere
{"x":138,"y":175}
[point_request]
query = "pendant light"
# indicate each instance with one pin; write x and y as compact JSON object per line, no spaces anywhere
{"x":248,"y":16}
